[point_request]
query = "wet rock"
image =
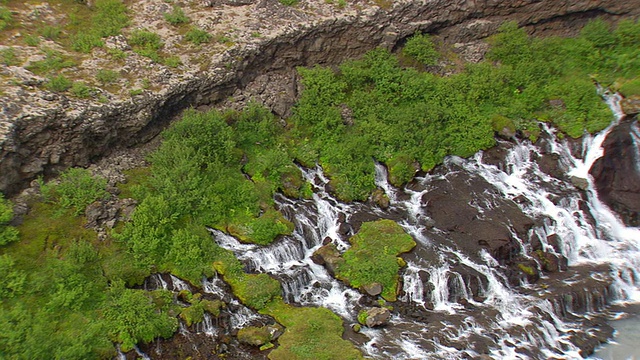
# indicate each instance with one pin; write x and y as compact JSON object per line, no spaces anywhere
{"x":616,"y":174}
{"x":551,"y":262}
{"x":550,"y":165}
{"x":380,"y":198}
{"x":377,"y":316}
{"x":329,"y":256}
{"x":579,"y":182}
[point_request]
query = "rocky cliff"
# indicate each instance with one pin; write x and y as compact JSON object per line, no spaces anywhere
{"x":43,"y":132}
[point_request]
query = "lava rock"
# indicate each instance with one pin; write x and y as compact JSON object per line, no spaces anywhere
{"x":616,"y":174}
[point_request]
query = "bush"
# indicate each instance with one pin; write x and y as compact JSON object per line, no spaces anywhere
{"x":176,"y":16}
{"x":5,"y":18}
{"x":420,"y":48}
{"x":8,"y":57}
{"x":77,"y":189}
{"x":50,"y":32}
{"x":54,"y":61}
{"x":58,"y":84}
{"x":111,"y":17}
{"x":7,"y":233}
{"x":81,"y":90}
{"x":84,"y":42}
{"x":145,"y":39}
{"x":107,"y":76}
{"x":197,"y":36}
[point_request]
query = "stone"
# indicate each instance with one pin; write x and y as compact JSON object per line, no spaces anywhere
{"x":373,"y":289}
{"x":580,"y":182}
{"x":631,"y":105}
{"x":254,"y":335}
{"x":616,"y":174}
{"x":380,"y":198}
{"x":377,"y":316}
{"x":329,"y":256}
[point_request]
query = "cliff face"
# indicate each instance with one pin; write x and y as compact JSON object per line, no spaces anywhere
{"x":43,"y":132}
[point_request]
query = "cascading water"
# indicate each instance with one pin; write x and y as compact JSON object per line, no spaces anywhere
{"x":457,"y":300}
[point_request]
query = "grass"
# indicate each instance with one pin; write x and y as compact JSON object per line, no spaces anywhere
{"x":373,"y":256}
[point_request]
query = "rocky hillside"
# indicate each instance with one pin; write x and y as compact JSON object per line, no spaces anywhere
{"x":80,"y":79}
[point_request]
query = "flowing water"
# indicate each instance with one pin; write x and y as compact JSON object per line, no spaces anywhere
{"x":458,"y":300}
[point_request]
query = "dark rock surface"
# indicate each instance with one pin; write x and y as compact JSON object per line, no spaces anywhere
{"x":617,"y":172}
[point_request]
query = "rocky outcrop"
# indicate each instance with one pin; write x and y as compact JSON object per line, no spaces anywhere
{"x":617,"y":173}
{"x":43,"y":133}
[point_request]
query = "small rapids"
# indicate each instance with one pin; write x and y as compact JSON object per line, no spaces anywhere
{"x":459,"y":298}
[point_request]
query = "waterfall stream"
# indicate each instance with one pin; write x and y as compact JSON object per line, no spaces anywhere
{"x":510,"y":260}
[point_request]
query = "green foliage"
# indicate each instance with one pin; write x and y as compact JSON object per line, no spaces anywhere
{"x":362,"y":317}
{"x":176,"y":16}
{"x":372,"y":256}
{"x":12,"y":280}
{"x":630,"y":87}
{"x":8,"y":57}
{"x":31,"y":40}
{"x":420,"y":48}
{"x":145,"y":39}
{"x":53,"y":62}
{"x":84,"y":42}
{"x":76,"y":190}
{"x":288,"y":2}
{"x":58,"y":83}
{"x":6,"y":18}
{"x":133,"y":317}
{"x":197,"y":36}
{"x":106,"y":76}
{"x":8,"y":233}
{"x":50,"y":32}
{"x":110,"y":18}
{"x":172,"y":61}
{"x":81,"y":90}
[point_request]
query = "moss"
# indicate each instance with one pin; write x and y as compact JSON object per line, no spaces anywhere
{"x":401,"y":170}
{"x":373,"y":256}
{"x":253,"y":290}
{"x":362,"y":317}
{"x":311,"y":333}
{"x":261,"y":230}
{"x":629,"y":87}
{"x":254,"y":335}
{"x":527,"y":269}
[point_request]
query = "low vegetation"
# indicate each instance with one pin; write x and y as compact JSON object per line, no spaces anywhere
{"x":64,"y":294}
{"x":373,"y":256}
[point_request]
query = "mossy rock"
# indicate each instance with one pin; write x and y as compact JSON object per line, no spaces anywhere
{"x":213,"y":306}
{"x":503,"y":126}
{"x":373,"y":256}
{"x":254,"y":335}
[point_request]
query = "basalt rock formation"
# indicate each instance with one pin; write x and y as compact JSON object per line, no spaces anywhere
{"x":42,"y":133}
{"x":617,"y":172}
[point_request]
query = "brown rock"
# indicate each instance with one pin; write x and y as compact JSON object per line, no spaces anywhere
{"x":377,"y":316}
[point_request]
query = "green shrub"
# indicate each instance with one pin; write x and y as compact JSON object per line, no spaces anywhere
{"x":7,"y":233}
{"x":420,"y":48}
{"x":111,"y":16}
{"x":84,"y":42}
{"x":76,"y":190}
{"x":145,"y":39}
{"x":81,"y":90}
{"x":12,"y":280}
{"x":106,"y":76}
{"x":54,"y":61}
{"x":197,"y":36}
{"x":172,"y":61}
{"x":58,"y":83}
{"x":133,"y":317}
{"x":50,"y":32}
{"x":8,"y":57}
{"x":288,"y":2}
{"x":31,"y":40}
{"x":630,"y":87}
{"x":5,"y":18}
{"x":176,"y":16}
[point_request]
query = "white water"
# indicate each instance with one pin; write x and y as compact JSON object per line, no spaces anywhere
{"x":497,"y":312}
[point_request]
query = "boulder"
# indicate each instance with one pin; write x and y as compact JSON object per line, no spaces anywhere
{"x":616,"y":174}
{"x":329,"y":256}
{"x":580,"y":182}
{"x":375,"y":316}
{"x":373,"y":289}
{"x":380,"y":198}
{"x":631,"y":105}
{"x":259,"y":335}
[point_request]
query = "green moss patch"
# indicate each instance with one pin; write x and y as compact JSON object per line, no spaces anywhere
{"x":372,"y":257}
{"x":311,"y":333}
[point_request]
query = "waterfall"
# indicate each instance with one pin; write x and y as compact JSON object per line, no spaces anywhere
{"x":457,"y":302}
